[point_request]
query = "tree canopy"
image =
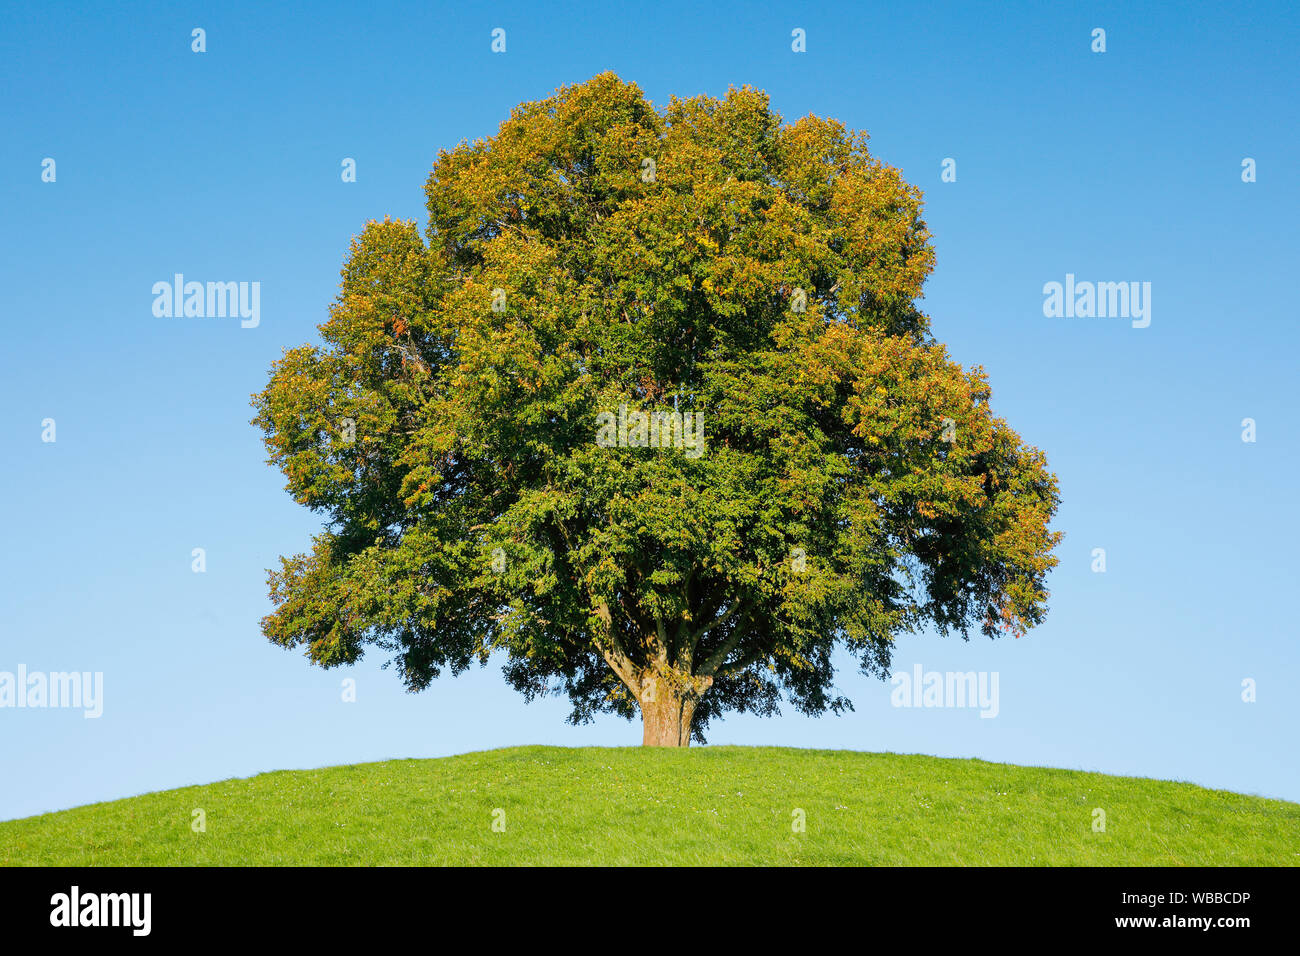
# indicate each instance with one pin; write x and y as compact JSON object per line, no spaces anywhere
{"x":497,"y":427}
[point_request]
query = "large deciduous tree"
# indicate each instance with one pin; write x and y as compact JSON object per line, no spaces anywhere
{"x":595,"y":261}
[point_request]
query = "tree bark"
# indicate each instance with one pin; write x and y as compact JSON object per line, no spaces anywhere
{"x":666,"y":720}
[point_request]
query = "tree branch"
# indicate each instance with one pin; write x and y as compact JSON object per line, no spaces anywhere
{"x":727,"y":615}
{"x":661,"y":652}
{"x":719,"y":657}
{"x":757,"y":653}
{"x":616,"y":657}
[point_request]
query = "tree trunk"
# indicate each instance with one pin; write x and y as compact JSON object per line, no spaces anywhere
{"x":666,"y":720}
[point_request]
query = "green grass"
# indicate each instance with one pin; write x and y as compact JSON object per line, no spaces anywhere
{"x":714,"y":805}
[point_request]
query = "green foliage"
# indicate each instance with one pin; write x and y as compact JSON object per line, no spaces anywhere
{"x":650,"y":807}
{"x":657,"y":260}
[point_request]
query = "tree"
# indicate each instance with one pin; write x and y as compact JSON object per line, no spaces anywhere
{"x":651,"y":410}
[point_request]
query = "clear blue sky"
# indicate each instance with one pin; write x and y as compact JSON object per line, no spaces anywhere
{"x":1121,"y":166}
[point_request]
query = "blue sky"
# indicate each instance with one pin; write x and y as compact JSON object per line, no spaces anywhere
{"x":1117,"y":166}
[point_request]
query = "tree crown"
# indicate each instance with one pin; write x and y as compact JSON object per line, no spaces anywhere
{"x":472,"y":426}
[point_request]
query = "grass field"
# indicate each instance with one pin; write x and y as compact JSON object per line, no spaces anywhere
{"x":713,"y":805}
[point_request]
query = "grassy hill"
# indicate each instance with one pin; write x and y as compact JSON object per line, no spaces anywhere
{"x":714,"y":805}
